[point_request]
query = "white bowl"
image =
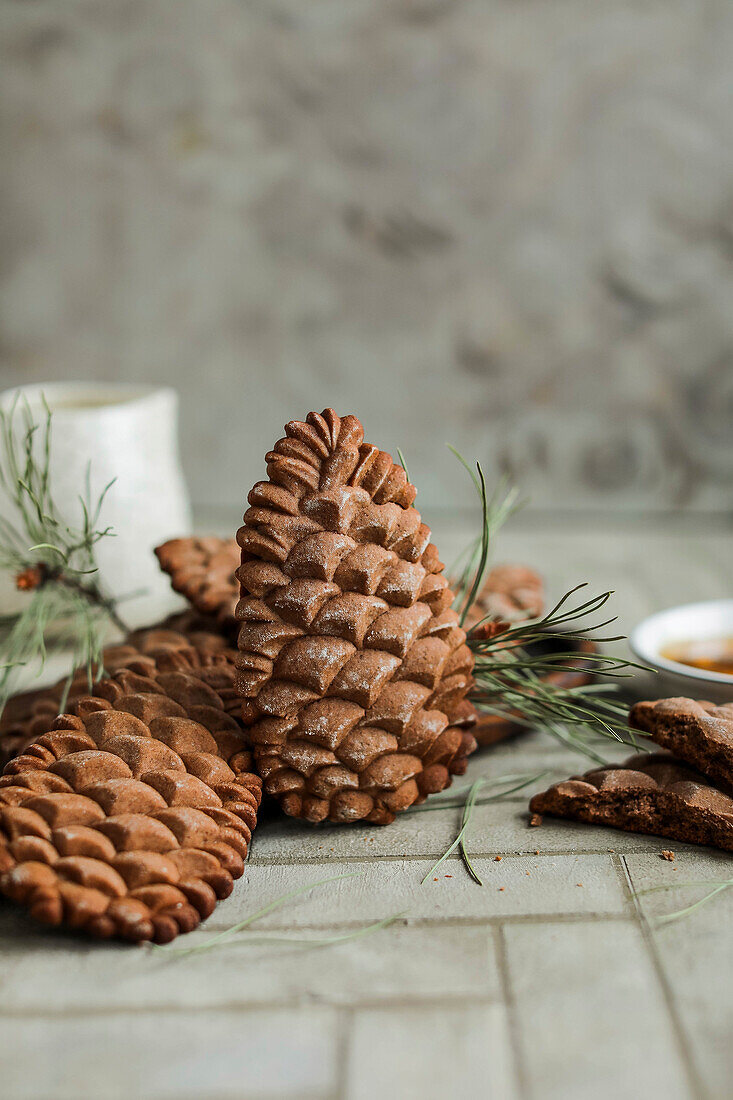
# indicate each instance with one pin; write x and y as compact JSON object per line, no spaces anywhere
{"x":690,"y":622}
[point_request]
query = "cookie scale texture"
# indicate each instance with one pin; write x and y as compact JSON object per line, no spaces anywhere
{"x":132,"y":815}
{"x":202,"y":569}
{"x":352,"y":665}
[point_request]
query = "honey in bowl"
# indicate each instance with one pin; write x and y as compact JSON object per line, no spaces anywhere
{"x":709,"y":654}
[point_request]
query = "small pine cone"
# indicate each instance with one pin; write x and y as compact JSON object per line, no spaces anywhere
{"x":132,"y":815}
{"x":202,"y":570}
{"x":352,"y":665}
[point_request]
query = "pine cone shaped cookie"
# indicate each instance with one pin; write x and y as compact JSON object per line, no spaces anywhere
{"x":132,"y":816}
{"x":352,"y":665}
{"x":202,"y":569}
{"x":509,"y":594}
{"x":182,"y":642}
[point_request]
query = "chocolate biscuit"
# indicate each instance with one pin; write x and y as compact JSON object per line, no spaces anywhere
{"x":132,"y":815}
{"x":185,"y":640}
{"x":202,"y":570}
{"x":652,"y":794}
{"x":701,"y":734}
{"x":510,"y":593}
{"x":353,"y":667}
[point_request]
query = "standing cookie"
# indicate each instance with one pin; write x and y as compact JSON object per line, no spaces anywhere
{"x":352,"y":666}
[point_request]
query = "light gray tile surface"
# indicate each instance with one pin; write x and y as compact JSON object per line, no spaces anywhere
{"x":532,"y":885}
{"x":393,"y":1053}
{"x":589,"y":1012}
{"x":401,"y":963}
{"x":695,"y":954}
{"x":543,"y":989}
{"x":173,"y":1056}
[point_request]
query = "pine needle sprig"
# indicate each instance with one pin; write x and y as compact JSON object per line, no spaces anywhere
{"x":465,"y":820}
{"x":513,"y":670}
{"x":517,"y":783}
{"x":67,"y":606}
{"x":269,"y":908}
{"x":669,"y":918}
{"x":454,"y":797}
{"x":239,"y":932}
{"x":578,"y":740}
{"x":553,"y":624}
{"x":319,"y":941}
{"x":495,"y":511}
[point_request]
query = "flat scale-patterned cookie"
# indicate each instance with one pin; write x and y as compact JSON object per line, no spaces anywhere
{"x":699,"y":733}
{"x":183,"y":641}
{"x":510,"y":593}
{"x":132,"y":816}
{"x":202,"y":569}
{"x":653,"y":794}
{"x":353,"y":668}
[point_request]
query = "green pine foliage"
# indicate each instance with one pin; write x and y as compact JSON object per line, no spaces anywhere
{"x":66,"y":607}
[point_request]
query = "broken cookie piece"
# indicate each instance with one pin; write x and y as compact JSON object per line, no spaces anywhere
{"x":701,"y":734}
{"x":652,"y":794}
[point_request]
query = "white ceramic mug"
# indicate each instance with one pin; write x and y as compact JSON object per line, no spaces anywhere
{"x":130,"y":433}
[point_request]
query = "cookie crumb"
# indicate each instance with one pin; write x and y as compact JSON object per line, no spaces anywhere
{"x":536,"y":851}
{"x":666,"y":854}
{"x":535,"y":819}
{"x":498,"y":859}
{"x":501,"y":889}
{"x":578,"y":883}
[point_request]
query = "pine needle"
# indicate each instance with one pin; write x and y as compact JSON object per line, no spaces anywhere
{"x":449,"y":800}
{"x":295,"y":941}
{"x":495,"y":511}
{"x":512,"y":670}
{"x":472,"y":800}
{"x":276,"y":904}
{"x":669,"y":918}
{"x":467,"y":812}
{"x":403,"y":464}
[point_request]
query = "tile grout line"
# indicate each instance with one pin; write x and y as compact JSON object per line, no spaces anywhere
{"x":502,"y":961}
{"x":283,"y":1006}
{"x":487,"y":853}
{"x":344,"y":1034}
{"x":568,"y":917}
{"x":489,"y":920}
{"x":697,"y":1088}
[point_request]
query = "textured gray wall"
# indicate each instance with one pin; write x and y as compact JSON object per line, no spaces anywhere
{"x":504,"y":223}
